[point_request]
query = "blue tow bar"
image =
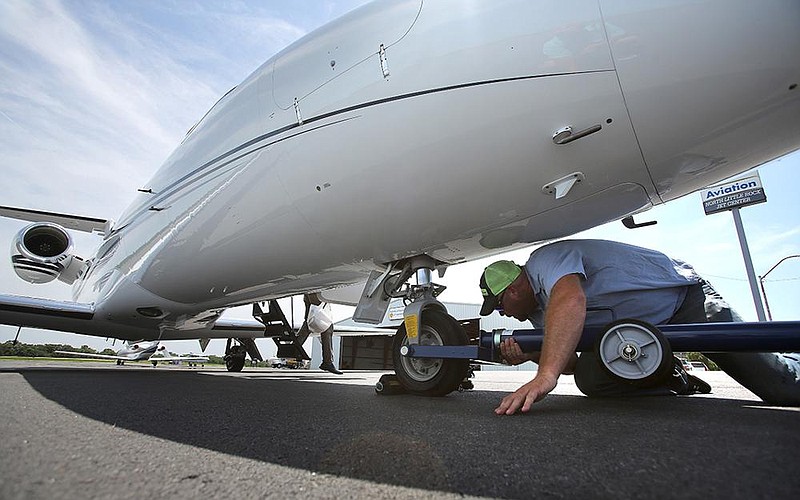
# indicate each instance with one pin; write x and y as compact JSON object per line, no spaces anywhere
{"x":775,"y":336}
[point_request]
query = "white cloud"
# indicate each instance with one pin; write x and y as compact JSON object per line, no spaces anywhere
{"x":94,"y":96}
{"x":82,"y":67}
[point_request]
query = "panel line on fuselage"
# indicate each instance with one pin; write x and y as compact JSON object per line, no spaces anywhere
{"x":209,"y":167}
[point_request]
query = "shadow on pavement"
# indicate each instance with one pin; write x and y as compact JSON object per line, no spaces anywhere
{"x":567,"y":446}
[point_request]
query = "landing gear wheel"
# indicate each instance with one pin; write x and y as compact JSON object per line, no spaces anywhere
{"x":234,"y":361}
{"x":635,"y":352}
{"x":431,"y":376}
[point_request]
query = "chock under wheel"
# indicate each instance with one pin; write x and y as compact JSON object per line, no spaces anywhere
{"x":388,"y":385}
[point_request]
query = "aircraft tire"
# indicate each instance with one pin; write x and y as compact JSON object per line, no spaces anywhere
{"x":431,"y":376}
{"x":634,"y":352}
{"x":234,"y":362}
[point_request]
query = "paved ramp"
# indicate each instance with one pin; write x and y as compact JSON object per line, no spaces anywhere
{"x":137,"y":431}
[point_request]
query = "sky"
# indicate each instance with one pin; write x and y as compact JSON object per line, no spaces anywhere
{"x":94,"y":95}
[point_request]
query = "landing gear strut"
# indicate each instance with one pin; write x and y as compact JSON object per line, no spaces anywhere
{"x":426,"y":322}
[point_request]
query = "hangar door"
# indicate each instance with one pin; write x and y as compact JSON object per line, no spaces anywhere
{"x":366,"y":352}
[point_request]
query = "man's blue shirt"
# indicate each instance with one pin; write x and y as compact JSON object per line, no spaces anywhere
{"x":632,"y":281}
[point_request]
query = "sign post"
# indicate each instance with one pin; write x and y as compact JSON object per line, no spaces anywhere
{"x":731,"y":196}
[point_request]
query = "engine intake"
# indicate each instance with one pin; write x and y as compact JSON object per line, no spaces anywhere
{"x":42,"y":252}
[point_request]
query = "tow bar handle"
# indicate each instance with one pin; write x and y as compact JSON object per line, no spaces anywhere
{"x":774,"y":336}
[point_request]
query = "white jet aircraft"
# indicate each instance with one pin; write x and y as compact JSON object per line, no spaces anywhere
{"x":141,"y":351}
{"x":408,"y":136}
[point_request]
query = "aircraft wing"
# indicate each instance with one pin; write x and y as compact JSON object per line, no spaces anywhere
{"x":43,"y":313}
{"x":93,"y":356}
{"x":76,"y":222}
{"x":191,"y":359}
{"x":240,"y":328}
{"x":74,"y":317}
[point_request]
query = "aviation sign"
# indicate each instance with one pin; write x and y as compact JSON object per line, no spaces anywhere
{"x":734,"y":194}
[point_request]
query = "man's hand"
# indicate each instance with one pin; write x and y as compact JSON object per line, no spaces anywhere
{"x":525,"y":396}
{"x":512,"y":353}
{"x":563,"y":325}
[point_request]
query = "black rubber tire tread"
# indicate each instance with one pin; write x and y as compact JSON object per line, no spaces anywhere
{"x":234,"y":361}
{"x":452,"y":372}
{"x":664,"y":369}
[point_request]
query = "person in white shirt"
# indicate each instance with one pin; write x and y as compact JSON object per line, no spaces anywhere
{"x":318,"y":321}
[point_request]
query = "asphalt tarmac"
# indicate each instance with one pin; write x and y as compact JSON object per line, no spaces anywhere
{"x":70,"y":430}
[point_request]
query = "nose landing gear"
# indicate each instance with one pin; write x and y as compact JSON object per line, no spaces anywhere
{"x":431,"y":376}
{"x":425,"y":323}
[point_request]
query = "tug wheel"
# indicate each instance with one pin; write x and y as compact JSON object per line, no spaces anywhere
{"x":634,"y":351}
{"x":431,"y":376}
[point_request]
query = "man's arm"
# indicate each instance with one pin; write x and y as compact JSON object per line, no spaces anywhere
{"x":563,"y":326}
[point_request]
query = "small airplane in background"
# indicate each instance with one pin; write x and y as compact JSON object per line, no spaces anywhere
{"x":191,"y":359}
{"x":409,"y":136}
{"x":141,"y":351}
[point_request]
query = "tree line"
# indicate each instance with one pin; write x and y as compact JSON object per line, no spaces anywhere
{"x":20,"y":349}
{"x":46,"y":350}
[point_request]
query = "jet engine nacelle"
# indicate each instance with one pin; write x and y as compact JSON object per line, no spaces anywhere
{"x":42,"y":252}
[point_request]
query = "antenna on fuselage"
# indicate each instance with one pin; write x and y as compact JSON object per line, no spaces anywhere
{"x":631,"y":224}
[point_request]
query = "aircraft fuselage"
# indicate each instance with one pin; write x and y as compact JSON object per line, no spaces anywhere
{"x":405,"y":129}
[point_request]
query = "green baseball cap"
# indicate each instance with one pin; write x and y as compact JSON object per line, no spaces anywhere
{"x":494,"y":280}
